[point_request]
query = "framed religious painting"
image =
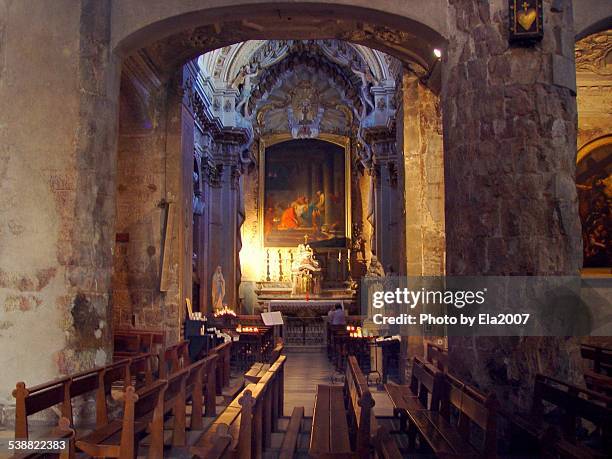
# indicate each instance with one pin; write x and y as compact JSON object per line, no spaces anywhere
{"x":594,"y":187}
{"x":305,"y":192}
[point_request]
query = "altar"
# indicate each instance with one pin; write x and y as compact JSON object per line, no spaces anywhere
{"x":306,"y":296}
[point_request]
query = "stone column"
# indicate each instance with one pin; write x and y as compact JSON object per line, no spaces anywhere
{"x":510,"y":151}
{"x":420,"y":139}
{"x":389,"y":217}
{"x":179,"y":191}
{"x":224,"y":230}
{"x":59,"y":88}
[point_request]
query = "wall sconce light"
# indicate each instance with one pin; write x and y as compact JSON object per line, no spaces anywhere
{"x":437,"y":52}
{"x":526,"y":21}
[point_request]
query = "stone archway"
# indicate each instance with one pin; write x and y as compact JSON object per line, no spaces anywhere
{"x":61,"y":239}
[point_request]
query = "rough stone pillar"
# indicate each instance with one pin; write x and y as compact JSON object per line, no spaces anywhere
{"x":58,"y":92}
{"x":420,"y":138}
{"x":510,"y":151}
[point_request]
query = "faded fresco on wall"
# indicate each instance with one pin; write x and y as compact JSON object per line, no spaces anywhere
{"x":304,"y":194}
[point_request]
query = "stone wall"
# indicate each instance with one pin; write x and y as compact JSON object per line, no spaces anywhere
{"x":57,"y":177}
{"x":510,"y":152}
{"x":155,"y":162}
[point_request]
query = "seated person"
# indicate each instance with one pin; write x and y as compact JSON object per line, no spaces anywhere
{"x":338,"y":317}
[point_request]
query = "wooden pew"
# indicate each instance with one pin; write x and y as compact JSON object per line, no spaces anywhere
{"x":424,"y":393}
{"x":125,"y":345}
{"x":473,"y":409}
{"x":32,"y":400}
{"x":362,"y":420}
{"x":223,"y":365}
{"x":256,"y":372}
{"x":141,"y":370}
{"x":386,"y":447}
{"x":362,"y":416}
{"x":142,"y":410}
{"x":437,"y":355}
{"x":574,"y":405}
{"x":600,"y":356}
{"x":426,"y":403}
{"x":173,"y":358}
{"x":209,"y":374}
{"x":265,"y":418}
{"x":235,"y":424}
{"x":150,"y":340}
{"x":276,"y":352}
{"x":194,"y":392}
{"x":63,"y":431}
{"x":330,"y":432}
{"x":291,"y":436}
{"x":598,"y":382}
{"x":249,"y":419}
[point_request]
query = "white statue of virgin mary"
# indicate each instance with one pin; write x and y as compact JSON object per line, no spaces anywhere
{"x":218,"y":289}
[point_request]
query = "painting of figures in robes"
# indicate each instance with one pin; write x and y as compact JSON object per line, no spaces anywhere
{"x":594,"y":186}
{"x":304,"y":194}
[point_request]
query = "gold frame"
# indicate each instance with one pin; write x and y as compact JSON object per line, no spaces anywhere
{"x":268,"y":141}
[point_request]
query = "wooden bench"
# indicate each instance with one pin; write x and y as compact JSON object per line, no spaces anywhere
{"x":61,"y":432}
{"x":423,"y":393}
{"x":173,"y":358}
{"x":598,"y":382}
{"x":361,"y":417}
{"x":32,"y":400}
{"x":276,"y":352}
{"x":256,"y":372}
{"x":463,"y":408}
{"x":437,"y":355}
{"x":142,"y":410}
{"x":330,"y":433}
{"x":249,"y":419}
{"x":130,"y":342}
{"x":427,"y":403}
{"x":223,"y":365}
{"x":291,"y":435}
{"x":363,"y":425}
{"x":386,"y":447}
{"x":210,"y":384}
{"x":570,"y":404}
{"x":600,"y":356}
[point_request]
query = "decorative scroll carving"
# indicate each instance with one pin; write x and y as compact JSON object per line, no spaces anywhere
{"x":592,"y":53}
